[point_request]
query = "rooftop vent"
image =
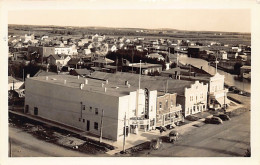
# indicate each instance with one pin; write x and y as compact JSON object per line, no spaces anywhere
{"x":81,"y":86}
{"x":78,"y":76}
{"x":105,"y":89}
{"x":106,"y":81}
{"x":65,"y":81}
{"x":128,"y":85}
{"x":102,"y":85}
{"x":86,"y":81}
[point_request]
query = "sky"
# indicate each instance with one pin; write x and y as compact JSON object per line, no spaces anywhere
{"x":231,"y":20}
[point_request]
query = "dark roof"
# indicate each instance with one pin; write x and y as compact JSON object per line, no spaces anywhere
{"x":73,"y":61}
{"x":82,"y":71}
{"x":58,"y":56}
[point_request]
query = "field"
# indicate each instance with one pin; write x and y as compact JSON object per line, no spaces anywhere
{"x":232,"y":38}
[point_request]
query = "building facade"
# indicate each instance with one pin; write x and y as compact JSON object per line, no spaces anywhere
{"x":168,"y":111}
{"x":83,"y":103}
{"x":194,"y":99}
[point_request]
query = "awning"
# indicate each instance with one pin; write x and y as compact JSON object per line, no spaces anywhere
{"x":222,"y":100}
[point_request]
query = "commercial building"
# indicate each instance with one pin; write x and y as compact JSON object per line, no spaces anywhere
{"x":192,"y":96}
{"x":83,"y":103}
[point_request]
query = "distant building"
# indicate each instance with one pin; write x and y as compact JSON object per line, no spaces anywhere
{"x":155,"y":56}
{"x":59,"y":60}
{"x":41,"y":50}
{"x":82,"y":103}
{"x":146,"y":68}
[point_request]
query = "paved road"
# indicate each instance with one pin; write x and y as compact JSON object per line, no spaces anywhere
{"x":25,"y":145}
{"x":227,"y":140}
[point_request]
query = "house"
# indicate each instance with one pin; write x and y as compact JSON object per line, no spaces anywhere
{"x":112,"y":48}
{"x":43,"y":51}
{"x":146,"y":68}
{"x":75,"y":63}
{"x":69,"y":50}
{"x":59,"y":60}
{"x":72,"y":101}
{"x":155,"y":56}
{"x":102,"y":62}
{"x":245,"y":72}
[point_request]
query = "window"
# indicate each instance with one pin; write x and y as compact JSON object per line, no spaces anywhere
{"x":96,"y":111}
{"x":95,"y":125}
{"x":166,"y":104}
{"x":194,"y":109}
{"x":83,"y":120}
{"x":83,"y":107}
{"x":171,"y":103}
{"x":90,"y":109}
{"x":160,"y":105}
{"x":79,"y":119}
{"x":35,"y":111}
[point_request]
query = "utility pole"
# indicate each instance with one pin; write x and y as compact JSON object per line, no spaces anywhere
{"x":140,"y":75}
{"x":13,"y":96}
{"x":124,"y":133}
{"x":224,"y":102}
{"x":23,"y":75}
{"x":132,"y":61}
{"x":101,"y":127}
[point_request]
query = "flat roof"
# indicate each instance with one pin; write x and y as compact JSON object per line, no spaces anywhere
{"x":152,"y":83}
{"x":94,"y":85}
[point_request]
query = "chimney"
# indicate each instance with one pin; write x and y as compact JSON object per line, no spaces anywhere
{"x":81,"y":86}
{"x":126,"y":82}
{"x":106,"y":81}
{"x":102,"y":85}
{"x":78,"y":76}
{"x":86,"y":81}
{"x":105,"y":89}
{"x":28,"y":76}
{"x":128,"y":85}
{"x":46,"y":78}
{"x":65,"y":81}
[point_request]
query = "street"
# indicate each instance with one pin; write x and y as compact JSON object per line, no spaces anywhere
{"x":25,"y":145}
{"x":231,"y":139}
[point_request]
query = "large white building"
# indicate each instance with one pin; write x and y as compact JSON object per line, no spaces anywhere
{"x":80,"y":103}
{"x":217,"y":92}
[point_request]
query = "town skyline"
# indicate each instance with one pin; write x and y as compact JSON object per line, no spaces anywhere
{"x":219,"y":20}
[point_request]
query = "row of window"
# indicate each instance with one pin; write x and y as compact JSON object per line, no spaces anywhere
{"x":201,"y":97}
{"x":199,"y":108}
{"x":90,"y":109}
{"x":166,"y":104}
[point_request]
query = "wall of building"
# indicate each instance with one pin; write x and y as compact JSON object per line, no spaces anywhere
{"x":65,"y":105}
{"x":195,"y":98}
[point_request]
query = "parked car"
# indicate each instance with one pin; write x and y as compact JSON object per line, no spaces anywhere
{"x":213,"y":120}
{"x":173,"y":136}
{"x":224,"y":117}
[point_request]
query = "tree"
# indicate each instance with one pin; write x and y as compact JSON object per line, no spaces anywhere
{"x":237,"y":67}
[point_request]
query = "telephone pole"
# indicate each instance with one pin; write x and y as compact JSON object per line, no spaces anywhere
{"x":124,"y":133}
{"x":101,"y":127}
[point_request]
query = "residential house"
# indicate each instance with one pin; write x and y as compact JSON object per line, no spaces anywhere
{"x":59,"y":60}
{"x":155,"y":56}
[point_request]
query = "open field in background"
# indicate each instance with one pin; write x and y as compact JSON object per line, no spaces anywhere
{"x":76,"y":32}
